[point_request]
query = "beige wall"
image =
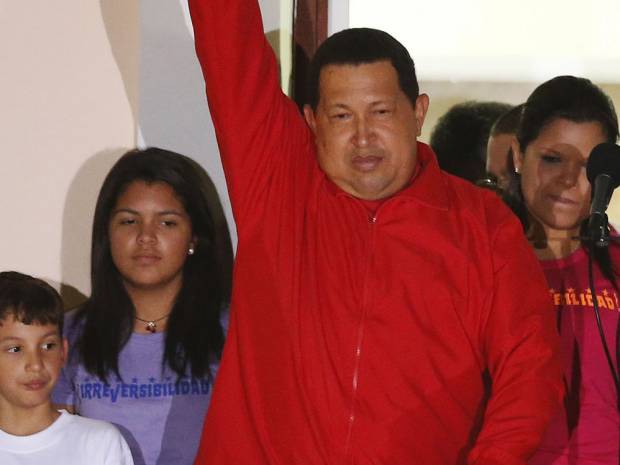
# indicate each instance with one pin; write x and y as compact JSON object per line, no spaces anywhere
{"x":66,"y":115}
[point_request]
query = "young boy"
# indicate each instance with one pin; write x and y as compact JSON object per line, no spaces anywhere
{"x":32,"y":353}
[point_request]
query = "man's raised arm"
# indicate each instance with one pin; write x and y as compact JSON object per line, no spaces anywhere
{"x":255,"y":123}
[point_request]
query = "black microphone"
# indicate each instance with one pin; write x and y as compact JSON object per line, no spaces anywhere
{"x":603,"y":171}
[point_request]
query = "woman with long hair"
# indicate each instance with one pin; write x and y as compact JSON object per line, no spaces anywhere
{"x":561,"y":122}
{"x":146,"y":344}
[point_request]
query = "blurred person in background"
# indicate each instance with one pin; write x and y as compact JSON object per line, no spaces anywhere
{"x":459,"y":139}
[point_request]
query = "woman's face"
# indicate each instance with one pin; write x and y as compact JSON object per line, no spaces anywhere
{"x":553,"y":175}
{"x":150,"y":235}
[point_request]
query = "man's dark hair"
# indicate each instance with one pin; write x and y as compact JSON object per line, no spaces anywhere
{"x":362,"y":46}
{"x":29,"y":300}
{"x":460,"y":137}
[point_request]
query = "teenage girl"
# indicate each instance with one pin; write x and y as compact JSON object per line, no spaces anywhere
{"x":146,"y":344}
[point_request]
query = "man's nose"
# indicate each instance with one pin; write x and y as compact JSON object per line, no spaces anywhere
{"x":364,"y":132}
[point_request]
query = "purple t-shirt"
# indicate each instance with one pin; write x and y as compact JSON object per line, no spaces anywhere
{"x":160,"y":419}
{"x":587,"y":429}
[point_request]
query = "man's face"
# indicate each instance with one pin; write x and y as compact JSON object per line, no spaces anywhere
{"x":366,"y":128}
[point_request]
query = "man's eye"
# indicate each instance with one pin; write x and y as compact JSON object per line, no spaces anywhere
{"x":169,"y":223}
{"x":14,"y":349}
{"x":382,"y":111}
{"x":340,"y":116}
{"x":551,"y":159}
{"x":127,"y":221}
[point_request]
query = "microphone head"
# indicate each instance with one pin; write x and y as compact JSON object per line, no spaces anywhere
{"x":604,"y":159}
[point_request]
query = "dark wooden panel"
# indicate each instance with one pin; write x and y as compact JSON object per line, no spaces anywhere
{"x":309,"y":30}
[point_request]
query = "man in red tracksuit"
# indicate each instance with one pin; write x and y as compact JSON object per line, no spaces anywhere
{"x":373,"y":294}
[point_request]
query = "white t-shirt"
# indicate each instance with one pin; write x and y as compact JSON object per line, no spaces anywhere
{"x":70,"y":440}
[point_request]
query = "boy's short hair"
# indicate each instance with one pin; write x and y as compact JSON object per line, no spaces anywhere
{"x":29,"y":300}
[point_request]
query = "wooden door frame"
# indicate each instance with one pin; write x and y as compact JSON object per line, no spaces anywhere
{"x":309,"y":31}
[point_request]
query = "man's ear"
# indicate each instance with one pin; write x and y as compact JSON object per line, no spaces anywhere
{"x":310,"y":118}
{"x":517,"y":156}
{"x":421,"y":107}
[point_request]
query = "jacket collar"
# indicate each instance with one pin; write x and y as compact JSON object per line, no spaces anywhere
{"x":428,"y":185}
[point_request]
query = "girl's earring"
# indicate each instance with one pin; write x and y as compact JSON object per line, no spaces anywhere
{"x":190,"y":251}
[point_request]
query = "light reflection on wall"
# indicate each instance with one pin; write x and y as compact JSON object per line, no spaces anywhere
{"x":486,"y":40}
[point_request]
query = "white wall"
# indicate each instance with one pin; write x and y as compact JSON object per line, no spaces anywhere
{"x":487,"y":40}
{"x":337,"y":16}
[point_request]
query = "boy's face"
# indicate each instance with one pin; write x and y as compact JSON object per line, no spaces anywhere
{"x":31,"y":357}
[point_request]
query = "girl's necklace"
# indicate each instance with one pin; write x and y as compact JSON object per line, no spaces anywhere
{"x":151,"y":325}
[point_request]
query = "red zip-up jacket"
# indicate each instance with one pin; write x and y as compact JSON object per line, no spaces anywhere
{"x":355,"y":338}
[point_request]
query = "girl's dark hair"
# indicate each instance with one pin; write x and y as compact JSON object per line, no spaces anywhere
{"x":566,"y":97}
{"x":29,"y":300}
{"x":573,"y":99}
{"x":194,"y":335}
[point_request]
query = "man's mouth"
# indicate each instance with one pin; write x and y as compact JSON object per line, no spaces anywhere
{"x":366,"y":162}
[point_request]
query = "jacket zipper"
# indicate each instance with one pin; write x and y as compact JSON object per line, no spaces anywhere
{"x":372,"y":219}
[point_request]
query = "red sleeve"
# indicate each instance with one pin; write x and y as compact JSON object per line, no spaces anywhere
{"x":259,"y":130}
{"x":520,"y":343}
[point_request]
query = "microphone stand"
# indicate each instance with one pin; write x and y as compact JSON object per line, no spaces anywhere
{"x":615,"y":374}
{"x":598,"y":236}
{"x":598,"y":230}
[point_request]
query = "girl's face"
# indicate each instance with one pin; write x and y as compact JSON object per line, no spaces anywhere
{"x":553,"y":175}
{"x":150,"y":235}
